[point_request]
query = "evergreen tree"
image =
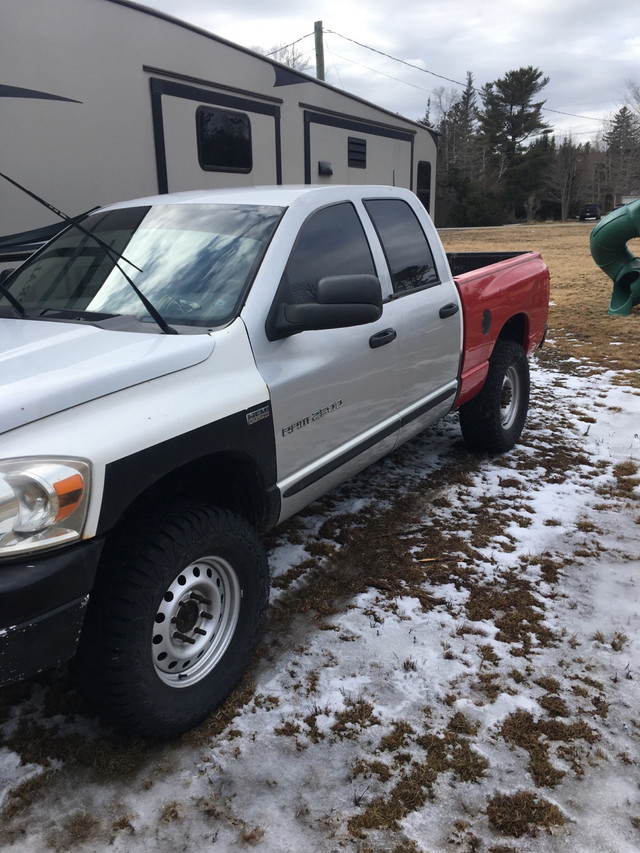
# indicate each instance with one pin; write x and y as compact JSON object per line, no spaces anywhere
{"x":458,"y":155}
{"x":510,"y":115}
{"x":489,"y":168}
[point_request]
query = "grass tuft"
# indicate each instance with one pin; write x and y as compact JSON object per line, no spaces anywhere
{"x":522,"y":813}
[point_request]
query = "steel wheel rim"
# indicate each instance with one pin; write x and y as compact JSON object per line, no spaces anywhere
{"x":195,"y":621}
{"x":509,"y":398}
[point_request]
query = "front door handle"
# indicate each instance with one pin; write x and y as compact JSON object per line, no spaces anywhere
{"x":382,"y":338}
{"x":448,"y":310}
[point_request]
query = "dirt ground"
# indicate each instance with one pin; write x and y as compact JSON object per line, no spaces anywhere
{"x":580,"y":292}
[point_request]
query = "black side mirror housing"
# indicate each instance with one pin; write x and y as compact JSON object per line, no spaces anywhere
{"x":341,"y":301}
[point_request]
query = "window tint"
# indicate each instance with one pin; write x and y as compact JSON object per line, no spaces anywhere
{"x":331,"y":242}
{"x":224,"y":140}
{"x":405,"y":246}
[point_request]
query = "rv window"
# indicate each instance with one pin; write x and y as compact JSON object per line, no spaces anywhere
{"x":423,"y":190}
{"x":224,"y":140}
{"x":357,"y":153}
{"x":405,"y":246}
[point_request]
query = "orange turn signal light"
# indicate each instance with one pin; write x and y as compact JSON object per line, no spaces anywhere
{"x":69,"y":492}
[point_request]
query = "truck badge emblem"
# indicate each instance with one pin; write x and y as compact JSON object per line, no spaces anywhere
{"x":258,"y":415}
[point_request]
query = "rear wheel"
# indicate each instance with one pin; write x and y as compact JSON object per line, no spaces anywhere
{"x":493,"y":420}
{"x":174,"y":620}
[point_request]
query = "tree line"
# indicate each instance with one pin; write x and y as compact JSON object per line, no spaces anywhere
{"x":499,"y":161}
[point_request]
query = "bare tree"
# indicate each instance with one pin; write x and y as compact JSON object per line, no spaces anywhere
{"x":563,"y":177}
{"x":633,"y":96}
{"x":287,"y":54}
{"x":622,"y":142}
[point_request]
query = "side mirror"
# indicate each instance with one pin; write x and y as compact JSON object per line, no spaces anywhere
{"x":341,"y":301}
{"x":4,"y":275}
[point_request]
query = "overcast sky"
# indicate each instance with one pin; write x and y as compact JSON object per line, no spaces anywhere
{"x":588,"y":49}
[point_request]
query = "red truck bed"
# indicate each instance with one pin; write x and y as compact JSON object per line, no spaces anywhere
{"x":490,"y":285}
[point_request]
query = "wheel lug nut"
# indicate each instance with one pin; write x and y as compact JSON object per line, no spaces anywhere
{"x":185,"y":639}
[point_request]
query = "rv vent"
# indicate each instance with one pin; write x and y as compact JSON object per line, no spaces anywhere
{"x":357,"y":153}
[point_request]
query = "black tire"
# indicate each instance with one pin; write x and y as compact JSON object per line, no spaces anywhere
{"x":174,"y":620}
{"x":493,"y":420}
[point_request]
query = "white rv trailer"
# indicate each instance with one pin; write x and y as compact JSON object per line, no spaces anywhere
{"x":102,"y":100}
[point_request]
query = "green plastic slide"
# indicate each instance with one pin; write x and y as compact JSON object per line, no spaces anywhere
{"x":609,"y":250}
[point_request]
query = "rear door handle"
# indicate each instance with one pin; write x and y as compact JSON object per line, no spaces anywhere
{"x":448,"y":310}
{"x":382,"y":338}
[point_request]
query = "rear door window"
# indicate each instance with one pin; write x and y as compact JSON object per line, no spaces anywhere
{"x":404,"y":243}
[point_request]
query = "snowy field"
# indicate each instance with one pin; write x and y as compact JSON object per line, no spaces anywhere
{"x":452,"y":663}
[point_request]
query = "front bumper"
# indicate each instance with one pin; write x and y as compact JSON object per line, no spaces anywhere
{"x":42,"y":608}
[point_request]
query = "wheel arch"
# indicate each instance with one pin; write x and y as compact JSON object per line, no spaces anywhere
{"x":230,"y":465}
{"x":516,"y":329}
{"x":230,"y":480}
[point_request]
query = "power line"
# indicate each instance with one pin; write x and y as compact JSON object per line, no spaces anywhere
{"x":285,"y":46}
{"x":448,"y":79}
{"x":417,"y":68}
{"x":395,"y":59}
{"x":383,"y":73}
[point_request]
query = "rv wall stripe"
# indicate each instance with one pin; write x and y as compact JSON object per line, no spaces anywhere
{"x":17,"y":92}
{"x":324,"y":470}
{"x":358,"y":126}
{"x":288,"y":77}
{"x":158,"y":140}
{"x":211,"y":84}
{"x":193,"y":93}
{"x":278,"y":151}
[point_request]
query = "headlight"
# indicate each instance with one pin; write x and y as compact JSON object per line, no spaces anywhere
{"x":43,"y":503}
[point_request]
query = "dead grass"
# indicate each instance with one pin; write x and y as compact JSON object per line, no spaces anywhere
{"x":109,"y":757}
{"x":523,"y":813}
{"x":357,"y":715}
{"x":75,"y":830}
{"x":537,"y":736}
{"x":580,"y":292}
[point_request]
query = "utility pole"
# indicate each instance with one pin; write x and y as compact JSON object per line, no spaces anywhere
{"x":317,"y":29}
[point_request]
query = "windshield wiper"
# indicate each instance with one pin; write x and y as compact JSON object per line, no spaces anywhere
{"x":111,"y":252}
{"x":19,"y":308}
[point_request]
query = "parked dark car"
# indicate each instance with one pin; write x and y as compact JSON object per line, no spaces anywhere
{"x":589,"y":211}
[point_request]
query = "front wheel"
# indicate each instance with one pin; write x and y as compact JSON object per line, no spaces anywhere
{"x":493,"y":420}
{"x":175,"y":618}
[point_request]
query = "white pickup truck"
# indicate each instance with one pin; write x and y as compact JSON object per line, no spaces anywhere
{"x":182,"y":373}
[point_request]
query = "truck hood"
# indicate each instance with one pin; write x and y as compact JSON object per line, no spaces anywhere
{"x":46,"y":367}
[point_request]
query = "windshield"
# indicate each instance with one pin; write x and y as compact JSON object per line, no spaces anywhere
{"x":193,"y":262}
